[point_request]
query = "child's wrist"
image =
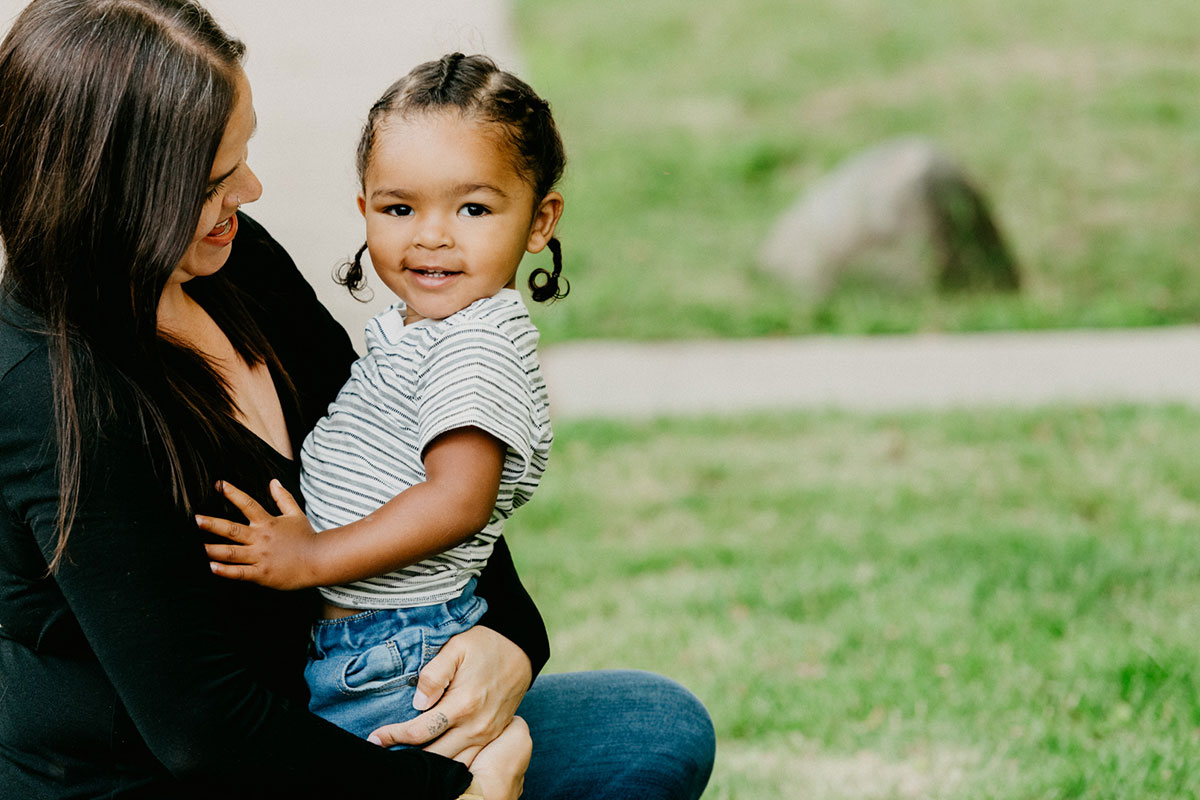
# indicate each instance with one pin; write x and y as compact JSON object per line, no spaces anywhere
{"x":315,"y":563}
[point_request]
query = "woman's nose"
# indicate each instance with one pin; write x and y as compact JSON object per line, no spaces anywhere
{"x":252,"y":188}
{"x":248,"y":190}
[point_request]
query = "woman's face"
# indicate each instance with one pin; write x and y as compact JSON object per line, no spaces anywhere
{"x":231,"y":183}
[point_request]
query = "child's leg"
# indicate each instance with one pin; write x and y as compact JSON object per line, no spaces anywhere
{"x":362,"y":671}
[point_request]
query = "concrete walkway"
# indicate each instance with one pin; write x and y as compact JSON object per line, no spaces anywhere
{"x":612,"y":379}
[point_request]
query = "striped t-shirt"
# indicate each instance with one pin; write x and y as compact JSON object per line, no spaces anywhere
{"x":477,"y":368}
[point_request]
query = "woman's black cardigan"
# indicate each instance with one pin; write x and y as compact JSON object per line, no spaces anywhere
{"x":133,"y":671}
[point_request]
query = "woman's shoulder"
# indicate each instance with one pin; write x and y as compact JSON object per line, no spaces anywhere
{"x":263,"y":272}
{"x":26,"y":397}
{"x":22,"y":346}
{"x":257,"y":262}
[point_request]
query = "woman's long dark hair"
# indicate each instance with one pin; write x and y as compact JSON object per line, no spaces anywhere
{"x":111,"y":113}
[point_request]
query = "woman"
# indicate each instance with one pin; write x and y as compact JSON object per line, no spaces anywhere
{"x":152,"y":340}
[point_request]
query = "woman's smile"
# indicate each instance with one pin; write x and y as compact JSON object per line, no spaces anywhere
{"x":223,"y":233}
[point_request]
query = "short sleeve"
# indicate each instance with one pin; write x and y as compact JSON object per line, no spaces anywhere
{"x":474,"y":376}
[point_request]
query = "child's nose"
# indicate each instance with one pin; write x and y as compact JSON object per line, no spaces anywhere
{"x":432,"y":233}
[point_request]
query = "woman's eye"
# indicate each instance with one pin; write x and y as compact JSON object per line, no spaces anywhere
{"x":398,"y":210}
{"x":214,"y":190}
{"x":474,"y":210}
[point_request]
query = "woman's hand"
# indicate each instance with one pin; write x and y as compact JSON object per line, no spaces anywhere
{"x":499,"y":769}
{"x":471,"y":689}
{"x":275,"y":551}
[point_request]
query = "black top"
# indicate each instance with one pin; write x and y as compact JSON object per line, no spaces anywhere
{"x":135,"y":672}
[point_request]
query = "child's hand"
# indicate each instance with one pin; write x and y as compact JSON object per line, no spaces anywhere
{"x":275,"y":551}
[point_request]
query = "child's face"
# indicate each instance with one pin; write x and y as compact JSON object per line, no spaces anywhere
{"x":448,"y":216}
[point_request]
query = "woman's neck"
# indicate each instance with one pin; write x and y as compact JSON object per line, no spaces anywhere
{"x":251,"y":388}
{"x":177,"y":311}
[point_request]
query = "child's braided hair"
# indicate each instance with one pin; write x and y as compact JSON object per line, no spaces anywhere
{"x":476,"y":86}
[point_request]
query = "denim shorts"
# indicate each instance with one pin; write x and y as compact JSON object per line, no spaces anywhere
{"x":362,"y":670}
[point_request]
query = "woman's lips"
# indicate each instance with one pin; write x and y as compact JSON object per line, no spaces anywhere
{"x":223,"y":233}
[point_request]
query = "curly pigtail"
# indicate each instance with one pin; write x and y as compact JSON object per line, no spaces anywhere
{"x":544,"y":285}
{"x":350,"y":274}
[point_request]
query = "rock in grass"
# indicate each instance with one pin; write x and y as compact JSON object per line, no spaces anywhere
{"x":901,"y":214}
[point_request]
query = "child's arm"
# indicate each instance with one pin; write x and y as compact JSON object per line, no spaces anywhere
{"x":462,"y":477}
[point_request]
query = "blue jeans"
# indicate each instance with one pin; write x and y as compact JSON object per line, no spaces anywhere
{"x":362,"y":671}
{"x":616,"y":735}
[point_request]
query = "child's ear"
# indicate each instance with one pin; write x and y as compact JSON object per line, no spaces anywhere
{"x":362,"y":204}
{"x":545,"y":220}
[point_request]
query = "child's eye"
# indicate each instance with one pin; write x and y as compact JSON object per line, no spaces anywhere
{"x":398,"y":210}
{"x":474,"y":210}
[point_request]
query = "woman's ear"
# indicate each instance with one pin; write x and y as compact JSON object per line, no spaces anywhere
{"x":545,"y":220}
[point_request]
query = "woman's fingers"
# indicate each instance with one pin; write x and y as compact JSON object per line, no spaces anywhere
{"x":434,"y":724}
{"x":223,"y":527}
{"x":243,"y":502}
{"x":441,"y":721}
{"x":435,"y":677}
{"x":476,"y":681}
{"x":431,"y":685}
{"x":283,"y":498}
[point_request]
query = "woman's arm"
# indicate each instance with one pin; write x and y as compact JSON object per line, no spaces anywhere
{"x":511,"y":611}
{"x":136,"y":578}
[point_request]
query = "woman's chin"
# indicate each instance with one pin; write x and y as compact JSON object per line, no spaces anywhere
{"x":201,"y":260}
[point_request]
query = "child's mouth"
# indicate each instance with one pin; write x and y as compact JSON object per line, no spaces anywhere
{"x":433,"y":276}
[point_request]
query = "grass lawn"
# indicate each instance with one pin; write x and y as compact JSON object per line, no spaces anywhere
{"x":966,"y":605}
{"x":690,"y":126}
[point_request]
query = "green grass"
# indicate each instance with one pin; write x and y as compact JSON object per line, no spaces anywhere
{"x":972,"y":605}
{"x":691,"y":126}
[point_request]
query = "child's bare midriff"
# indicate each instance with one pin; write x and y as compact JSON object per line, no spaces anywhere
{"x":330,"y":611}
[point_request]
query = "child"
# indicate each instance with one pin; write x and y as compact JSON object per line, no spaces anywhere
{"x":443,"y":427}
